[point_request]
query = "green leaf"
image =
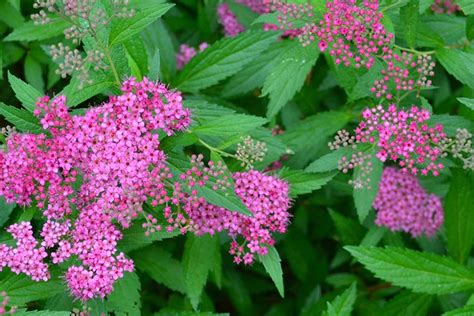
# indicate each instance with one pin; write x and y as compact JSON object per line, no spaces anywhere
{"x":407,"y":303}
{"x":135,"y":238}
{"x":459,"y":218}
{"x":409,"y":17}
{"x":451,"y":123}
{"x":124,"y":29}
{"x":10,"y":15}
{"x":350,"y":231}
{"x":364,"y":197}
{"x":33,"y":72}
{"x":295,"y":62}
{"x":161,"y":267}
{"x":301,"y":182}
{"x":27,"y":94}
{"x":421,"y":272}
{"x":29,"y":31}
{"x":135,"y":48}
{"x":42,"y":313}
{"x":23,"y":120}
{"x":254,"y":74}
{"x":467,"y":6}
{"x":467,"y":102}
{"x":470,"y":28}
{"x":223,"y":59}
{"x":244,"y":14}
{"x":21,"y":289}
{"x":229,"y":125}
{"x":329,"y":161}
{"x":227,"y":200}
{"x":5,"y":210}
{"x":198,"y":260}
{"x":126,"y":295}
{"x":467,"y":310}
{"x":272,"y":263}
{"x":459,"y":64}
{"x":76,"y":96}
{"x":322,"y":126}
{"x":343,"y":304}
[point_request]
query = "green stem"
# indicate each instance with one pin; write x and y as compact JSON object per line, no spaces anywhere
{"x":414,"y":51}
{"x":211,"y":148}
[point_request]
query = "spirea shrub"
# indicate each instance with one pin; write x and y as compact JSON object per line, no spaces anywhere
{"x":237,"y":157}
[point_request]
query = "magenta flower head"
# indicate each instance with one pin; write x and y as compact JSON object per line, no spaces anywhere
{"x":403,"y":205}
{"x":265,"y":196}
{"x":403,"y":136}
{"x":228,"y":20}
{"x":88,"y":174}
{"x":186,"y":53}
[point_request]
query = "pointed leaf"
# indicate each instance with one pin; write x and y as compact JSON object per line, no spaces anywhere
{"x":272,"y":263}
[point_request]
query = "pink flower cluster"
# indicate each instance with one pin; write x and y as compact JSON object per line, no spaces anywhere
{"x":353,"y":33}
{"x":267,"y":199}
{"x":445,"y":7}
{"x":228,"y":20}
{"x":403,"y":205}
{"x":403,"y":136}
{"x":27,"y":257}
{"x":4,"y":309}
{"x":403,"y":73}
{"x":104,"y":165}
{"x":186,"y":53}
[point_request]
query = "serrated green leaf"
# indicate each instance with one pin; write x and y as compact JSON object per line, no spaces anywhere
{"x":322,"y":126}
{"x":134,"y":238}
{"x":223,"y":59}
{"x":33,"y":72}
{"x":329,"y":161}
{"x":137,"y":51}
{"x":229,"y":125}
{"x":5,"y":210}
{"x":22,"y":119}
{"x":451,"y":123}
{"x":227,"y":200}
{"x":124,"y":29}
{"x":420,"y":272}
{"x":197,"y":263}
{"x":244,"y":14}
{"x":126,"y":296}
{"x":467,"y":310}
{"x":10,"y":15}
{"x":21,"y":289}
{"x":301,"y":182}
{"x":161,"y":267}
{"x":42,"y":313}
{"x":254,"y":74}
{"x":467,"y":102}
{"x":467,"y":6}
{"x":75,"y":96}
{"x":459,"y":64}
{"x":409,"y":18}
{"x":27,"y":94}
{"x":459,"y":218}
{"x":407,"y":303}
{"x":272,"y":263}
{"x":343,"y":304}
{"x":29,"y":31}
{"x":364,"y":197}
{"x":295,"y":62}
{"x":470,"y":27}
{"x":350,"y":231}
